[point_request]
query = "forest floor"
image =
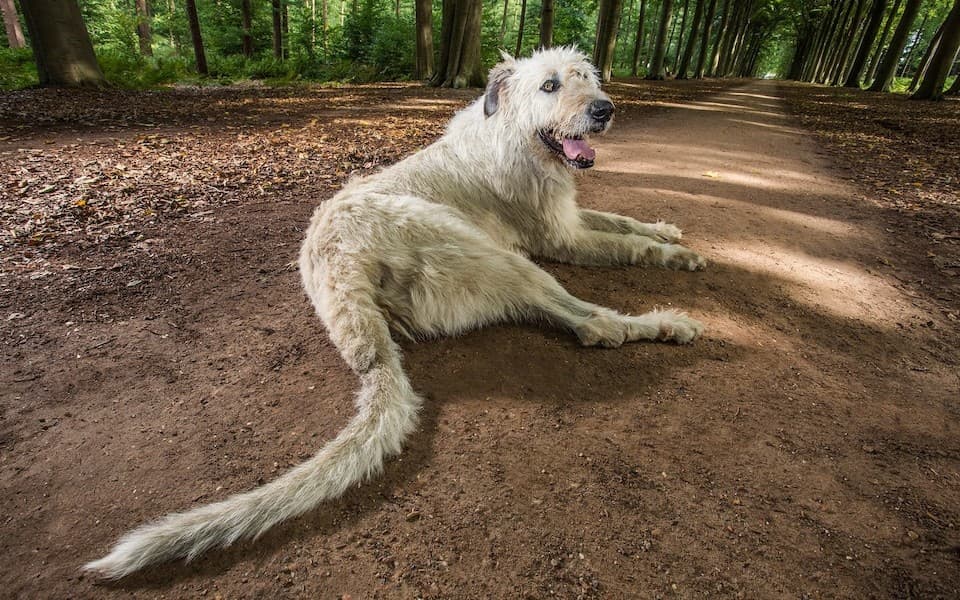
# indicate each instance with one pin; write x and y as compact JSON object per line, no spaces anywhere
{"x":158,"y":353}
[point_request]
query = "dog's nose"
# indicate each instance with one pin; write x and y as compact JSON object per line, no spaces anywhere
{"x":601,"y":110}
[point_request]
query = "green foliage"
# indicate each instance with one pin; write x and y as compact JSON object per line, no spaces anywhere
{"x":367,"y":40}
{"x":17,"y":69}
{"x":575,"y":23}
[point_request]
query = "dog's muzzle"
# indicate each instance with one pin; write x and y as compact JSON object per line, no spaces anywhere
{"x":600,"y":113}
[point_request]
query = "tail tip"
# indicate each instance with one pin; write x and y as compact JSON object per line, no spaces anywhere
{"x":106,"y":568}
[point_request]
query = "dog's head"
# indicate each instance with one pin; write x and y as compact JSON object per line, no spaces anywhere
{"x":553,"y":99}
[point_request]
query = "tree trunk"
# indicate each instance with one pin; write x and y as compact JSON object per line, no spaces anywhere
{"x":905,"y":64}
{"x":660,"y":46}
{"x":245,"y":18}
{"x":839,"y":72}
{"x":12,"y":23}
{"x":503,"y":21}
{"x":683,"y":29}
{"x":817,"y":52}
{"x":325,"y":25}
{"x":881,"y":42}
{"x":925,"y":61}
{"x":638,"y":41}
{"x":730,"y":38}
{"x":608,"y":24}
{"x":670,"y":38}
{"x":277,"y":30}
{"x":705,"y":40}
{"x":197,"y":38}
{"x":802,"y":48}
{"x":721,"y":36}
{"x":954,"y":88}
{"x":523,"y":18}
{"x":932,"y":86}
{"x":143,"y":27}
{"x":691,"y":41}
{"x":171,"y":33}
{"x":285,"y":21}
{"x":835,"y":42}
{"x":61,"y":44}
{"x":424,"y":17}
{"x":546,"y":24}
{"x":866,"y":43}
{"x":888,"y":66}
{"x":459,"y":63}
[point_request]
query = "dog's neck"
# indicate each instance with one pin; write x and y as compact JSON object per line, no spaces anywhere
{"x":518,"y":153}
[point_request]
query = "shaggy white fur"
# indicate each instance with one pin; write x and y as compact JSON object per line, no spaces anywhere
{"x":436,"y":245}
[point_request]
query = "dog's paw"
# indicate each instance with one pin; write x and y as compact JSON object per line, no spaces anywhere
{"x":608,"y":331}
{"x":680,"y":258}
{"x":678,"y":327}
{"x":666,"y":232}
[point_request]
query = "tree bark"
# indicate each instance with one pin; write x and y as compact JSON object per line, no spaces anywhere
{"x":905,"y":64}
{"x":12,"y":24}
{"x":171,"y":33}
{"x":888,"y":66}
{"x":817,"y":52}
{"x":277,"y":30}
{"x":721,"y":36}
{"x":866,"y":43}
{"x":523,"y":18}
{"x":925,"y":60}
{"x":954,"y":88}
{"x":324,"y":24}
{"x":61,"y":44}
{"x":459,"y":63}
{"x":691,"y":41}
{"x":143,"y":27}
{"x":285,"y":25}
{"x":705,"y":40}
{"x":730,"y":38}
{"x":245,"y":18}
{"x":839,"y":73}
{"x":546,"y":24}
{"x":835,"y":41}
{"x":608,"y":23}
{"x":683,"y":28}
{"x":198,"y":52}
{"x":660,"y":46}
{"x":424,"y":18}
{"x":881,"y":42}
{"x":931,"y":88}
{"x":638,"y":41}
{"x":503,"y":21}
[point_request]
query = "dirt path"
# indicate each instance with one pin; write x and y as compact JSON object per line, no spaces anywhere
{"x":806,"y":447}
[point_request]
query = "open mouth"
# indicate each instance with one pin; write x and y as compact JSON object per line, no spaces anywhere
{"x":575,"y":151}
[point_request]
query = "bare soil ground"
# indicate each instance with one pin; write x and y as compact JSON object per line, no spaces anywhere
{"x":158,"y":353}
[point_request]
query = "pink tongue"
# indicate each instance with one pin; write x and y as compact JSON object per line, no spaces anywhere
{"x":575,"y":149}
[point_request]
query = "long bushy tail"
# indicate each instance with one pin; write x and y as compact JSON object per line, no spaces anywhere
{"x":388,"y":409}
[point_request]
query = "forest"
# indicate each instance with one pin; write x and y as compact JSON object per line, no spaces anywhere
{"x":885,"y":45}
{"x":161,"y":163}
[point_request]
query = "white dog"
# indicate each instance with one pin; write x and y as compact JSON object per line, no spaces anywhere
{"x":436,"y":245}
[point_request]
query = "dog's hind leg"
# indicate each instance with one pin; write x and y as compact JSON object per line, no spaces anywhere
{"x":480,"y":284}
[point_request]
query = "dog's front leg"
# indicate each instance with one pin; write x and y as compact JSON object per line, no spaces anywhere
{"x":611,"y":223}
{"x":601,"y":248}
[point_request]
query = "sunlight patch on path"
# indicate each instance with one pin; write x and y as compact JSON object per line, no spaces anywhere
{"x":842,"y":288}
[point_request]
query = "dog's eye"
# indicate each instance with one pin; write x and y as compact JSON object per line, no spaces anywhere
{"x":550,"y":86}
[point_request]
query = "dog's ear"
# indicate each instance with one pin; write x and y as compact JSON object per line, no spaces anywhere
{"x":495,"y":83}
